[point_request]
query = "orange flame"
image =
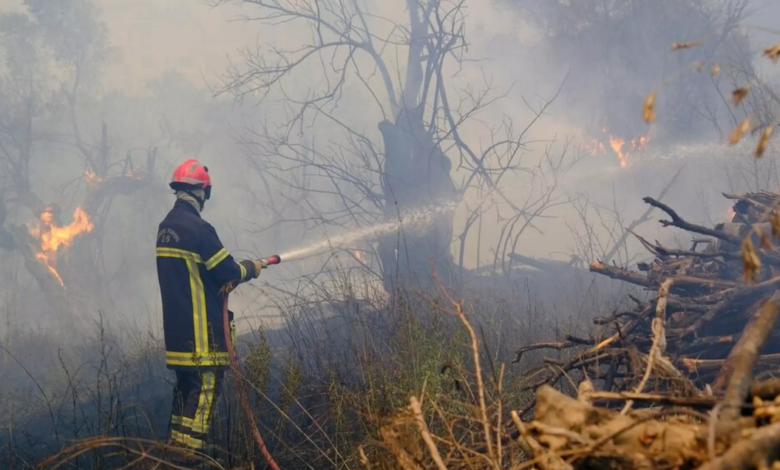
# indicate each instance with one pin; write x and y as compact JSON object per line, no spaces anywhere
{"x":622,"y":148}
{"x":92,"y":178}
{"x":617,"y":145}
{"x":593,"y":146}
{"x":53,"y":237}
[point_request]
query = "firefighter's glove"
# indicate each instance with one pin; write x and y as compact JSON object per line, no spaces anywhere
{"x":259,"y":266}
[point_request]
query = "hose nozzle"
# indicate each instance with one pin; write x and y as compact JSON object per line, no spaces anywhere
{"x":275,"y":259}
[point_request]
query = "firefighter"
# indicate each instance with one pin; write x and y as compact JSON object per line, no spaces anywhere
{"x":195,"y":272}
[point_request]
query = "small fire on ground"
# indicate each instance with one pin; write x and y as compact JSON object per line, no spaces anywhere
{"x":620,"y":146}
{"x":53,"y":237}
{"x":93,"y":179}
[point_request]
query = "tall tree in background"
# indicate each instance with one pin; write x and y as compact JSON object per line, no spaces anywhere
{"x":355,"y":64}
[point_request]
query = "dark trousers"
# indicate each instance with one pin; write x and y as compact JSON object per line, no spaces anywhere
{"x":194,"y":401}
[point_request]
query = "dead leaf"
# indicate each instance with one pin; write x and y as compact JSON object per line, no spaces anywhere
{"x":751,"y":264}
{"x":773,"y":53}
{"x":766,"y":243}
{"x":676,"y":46}
{"x":715,"y":70}
{"x":736,"y":134}
{"x":648,"y":111}
{"x":763,"y":142}
{"x":774,"y":222}
{"x":739,"y":94}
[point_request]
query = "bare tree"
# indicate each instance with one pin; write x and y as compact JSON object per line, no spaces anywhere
{"x":409,"y":71}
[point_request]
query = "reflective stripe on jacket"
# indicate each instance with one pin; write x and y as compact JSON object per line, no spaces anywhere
{"x":192,"y":268}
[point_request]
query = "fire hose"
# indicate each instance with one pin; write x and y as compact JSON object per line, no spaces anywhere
{"x":243,"y":397}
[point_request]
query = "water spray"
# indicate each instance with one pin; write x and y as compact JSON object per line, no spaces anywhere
{"x":409,"y":221}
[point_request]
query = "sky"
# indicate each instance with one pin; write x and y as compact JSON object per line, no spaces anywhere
{"x":153,"y":35}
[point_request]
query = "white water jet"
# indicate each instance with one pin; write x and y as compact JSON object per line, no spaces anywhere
{"x":409,"y":220}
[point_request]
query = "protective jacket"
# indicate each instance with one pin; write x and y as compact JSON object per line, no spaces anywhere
{"x":193,"y":269}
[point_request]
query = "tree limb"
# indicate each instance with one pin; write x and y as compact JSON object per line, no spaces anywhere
{"x":745,"y":357}
{"x":679,"y":222}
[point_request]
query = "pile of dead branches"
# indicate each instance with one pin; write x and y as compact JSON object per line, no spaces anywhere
{"x":570,"y":433}
{"x":687,"y":335}
{"x":675,"y":374}
{"x":676,"y":383}
{"x":601,"y":429}
{"x":739,"y":430}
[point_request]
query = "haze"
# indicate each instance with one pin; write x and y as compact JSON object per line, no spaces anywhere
{"x":510,"y":137}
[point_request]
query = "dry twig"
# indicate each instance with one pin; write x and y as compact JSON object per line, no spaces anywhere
{"x":414,"y":404}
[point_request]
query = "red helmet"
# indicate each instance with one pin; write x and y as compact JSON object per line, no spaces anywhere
{"x":191,"y":175}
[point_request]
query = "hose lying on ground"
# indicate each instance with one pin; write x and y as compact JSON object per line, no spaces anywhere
{"x":243,"y":398}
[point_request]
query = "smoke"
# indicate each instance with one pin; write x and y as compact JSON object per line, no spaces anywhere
{"x":157,"y":90}
{"x":101,"y":137}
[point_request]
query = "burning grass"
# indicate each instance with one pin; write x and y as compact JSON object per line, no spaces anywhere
{"x":622,"y":148}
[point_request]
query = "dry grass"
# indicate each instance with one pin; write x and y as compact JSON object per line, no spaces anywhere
{"x":325,"y":389}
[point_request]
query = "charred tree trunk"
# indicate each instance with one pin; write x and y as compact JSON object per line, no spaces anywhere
{"x":416,"y":176}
